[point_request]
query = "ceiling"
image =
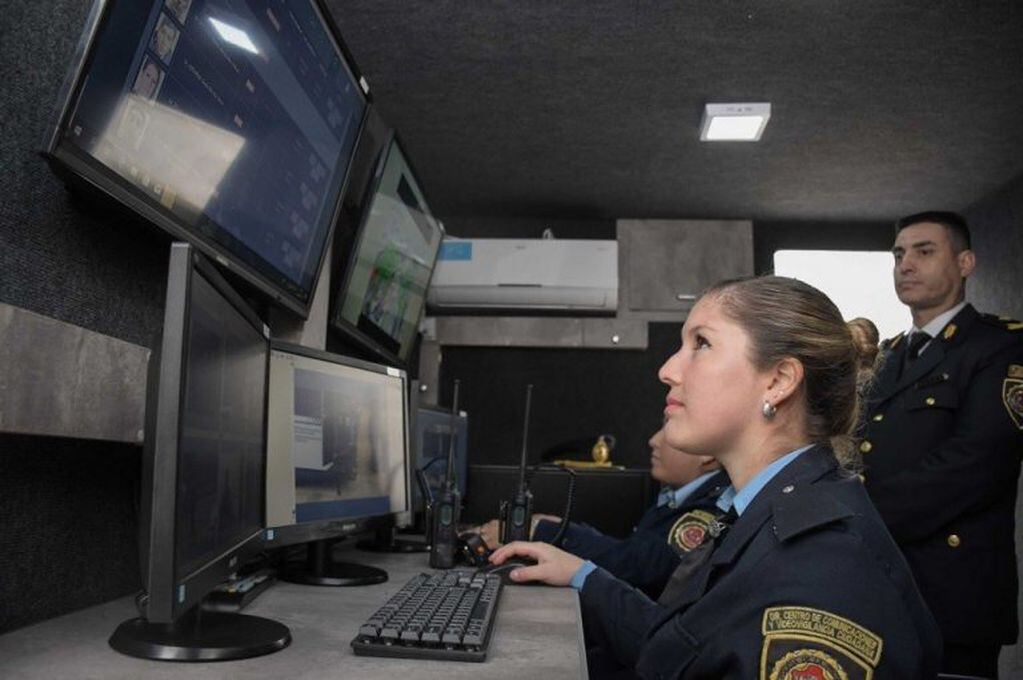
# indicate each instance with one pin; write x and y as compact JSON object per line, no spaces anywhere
{"x":592,"y":109}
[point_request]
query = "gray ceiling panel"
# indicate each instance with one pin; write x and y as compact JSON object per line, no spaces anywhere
{"x":592,"y":109}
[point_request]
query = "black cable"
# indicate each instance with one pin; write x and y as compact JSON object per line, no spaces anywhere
{"x":566,"y":517}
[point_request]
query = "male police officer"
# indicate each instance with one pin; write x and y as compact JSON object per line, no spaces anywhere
{"x":673,"y":526}
{"x":942,"y":440}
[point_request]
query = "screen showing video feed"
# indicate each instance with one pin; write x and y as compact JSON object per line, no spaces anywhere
{"x":336,"y":441}
{"x":222,"y":443}
{"x":385,"y":286}
{"x":237,"y":119}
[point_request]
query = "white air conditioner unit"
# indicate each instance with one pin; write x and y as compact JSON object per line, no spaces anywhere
{"x":526,"y":274}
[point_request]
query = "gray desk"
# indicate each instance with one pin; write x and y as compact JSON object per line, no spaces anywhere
{"x":538,"y":634}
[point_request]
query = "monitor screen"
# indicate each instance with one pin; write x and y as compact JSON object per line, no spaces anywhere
{"x":383,"y":288}
{"x":204,"y":468}
{"x":230,"y":124}
{"x":432,"y":440}
{"x":337,"y":440}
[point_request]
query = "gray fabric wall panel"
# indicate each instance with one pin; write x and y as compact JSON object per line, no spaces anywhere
{"x":58,"y":258}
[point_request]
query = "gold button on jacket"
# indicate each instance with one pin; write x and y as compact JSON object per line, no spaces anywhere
{"x":953,"y":541}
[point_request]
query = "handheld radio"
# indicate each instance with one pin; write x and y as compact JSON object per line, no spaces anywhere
{"x":446,"y":506}
{"x":517,"y":514}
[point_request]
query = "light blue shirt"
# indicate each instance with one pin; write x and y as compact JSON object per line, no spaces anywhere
{"x":742,"y":499}
{"x":674,"y":498}
{"x":728,"y":498}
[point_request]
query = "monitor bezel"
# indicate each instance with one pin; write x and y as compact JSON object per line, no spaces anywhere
{"x":348,"y":261}
{"x":168,"y":597}
{"x":75,"y":166}
{"x":317,"y":530}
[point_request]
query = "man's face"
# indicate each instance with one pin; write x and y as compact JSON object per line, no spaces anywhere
{"x":928,"y":272}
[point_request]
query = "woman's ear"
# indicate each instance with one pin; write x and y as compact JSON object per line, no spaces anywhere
{"x":786,"y":378}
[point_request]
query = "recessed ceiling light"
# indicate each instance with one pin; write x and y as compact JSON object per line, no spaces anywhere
{"x":734,"y":122}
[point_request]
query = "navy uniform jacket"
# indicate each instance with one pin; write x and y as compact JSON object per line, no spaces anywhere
{"x":806,"y":583}
{"x":942,"y":449}
{"x":645,"y":559}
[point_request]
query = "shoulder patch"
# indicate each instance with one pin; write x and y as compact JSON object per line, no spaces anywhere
{"x":1006,"y":322}
{"x":801,"y":643}
{"x":690,"y":530}
{"x":1012,"y":397}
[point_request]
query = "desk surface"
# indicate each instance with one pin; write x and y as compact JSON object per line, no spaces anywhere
{"x":538,"y":633}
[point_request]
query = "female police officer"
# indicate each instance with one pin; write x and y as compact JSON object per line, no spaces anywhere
{"x":805,"y":582}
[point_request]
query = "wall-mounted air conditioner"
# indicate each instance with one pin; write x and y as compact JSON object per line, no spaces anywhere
{"x":526,"y":274}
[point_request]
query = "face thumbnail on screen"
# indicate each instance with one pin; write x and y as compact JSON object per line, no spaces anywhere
{"x":395,"y":254}
{"x":336,"y":440}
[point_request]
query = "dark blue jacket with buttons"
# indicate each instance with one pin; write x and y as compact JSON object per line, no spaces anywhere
{"x":645,"y":559}
{"x":807,"y":583}
{"x":941,"y":447}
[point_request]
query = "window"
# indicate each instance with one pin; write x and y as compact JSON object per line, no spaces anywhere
{"x":859,"y":282}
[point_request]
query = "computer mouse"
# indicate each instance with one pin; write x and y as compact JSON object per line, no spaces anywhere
{"x":505,"y":569}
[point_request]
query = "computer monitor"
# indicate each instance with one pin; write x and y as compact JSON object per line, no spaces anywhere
{"x":382,"y":288}
{"x":203,"y":474}
{"x":231,"y":125}
{"x":432,"y":440}
{"x":337,"y":464}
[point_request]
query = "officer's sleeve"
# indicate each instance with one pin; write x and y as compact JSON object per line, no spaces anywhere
{"x":645,"y":561}
{"x":978,"y":460}
{"x":616,"y":616}
{"x":581,"y":540}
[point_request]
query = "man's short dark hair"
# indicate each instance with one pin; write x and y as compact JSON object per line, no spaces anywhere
{"x":954,"y":223}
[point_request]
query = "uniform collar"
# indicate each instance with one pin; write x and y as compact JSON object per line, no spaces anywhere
{"x":674,"y":498}
{"x":741,"y":499}
{"x":938,"y":323}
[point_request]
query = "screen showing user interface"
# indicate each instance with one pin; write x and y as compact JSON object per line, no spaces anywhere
{"x":237,"y":118}
{"x":222,"y":442}
{"x":433,"y":437}
{"x":385,"y":285}
{"x":336,"y":441}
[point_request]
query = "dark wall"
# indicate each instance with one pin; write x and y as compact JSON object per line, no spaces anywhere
{"x":577,"y":393}
{"x":69,"y":536}
{"x":996,"y":224}
{"x":96,"y":270}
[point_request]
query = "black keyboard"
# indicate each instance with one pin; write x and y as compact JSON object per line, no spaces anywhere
{"x":440,"y":615}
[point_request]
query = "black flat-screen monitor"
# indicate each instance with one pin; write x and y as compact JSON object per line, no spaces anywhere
{"x":204,"y":470}
{"x":231,"y":125}
{"x":381,"y":294}
{"x":432,"y":440}
{"x":337,"y":462}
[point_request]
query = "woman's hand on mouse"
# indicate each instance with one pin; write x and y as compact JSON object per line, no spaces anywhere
{"x":553,"y":566}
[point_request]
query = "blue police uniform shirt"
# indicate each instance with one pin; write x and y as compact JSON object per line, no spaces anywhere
{"x":729,"y":497}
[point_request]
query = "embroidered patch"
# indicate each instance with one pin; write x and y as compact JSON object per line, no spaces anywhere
{"x":690,"y":530}
{"x":807,"y":664}
{"x":1015,"y":371}
{"x":1012,"y":397}
{"x":801,"y":643}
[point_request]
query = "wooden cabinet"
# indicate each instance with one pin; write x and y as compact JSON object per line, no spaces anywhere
{"x":665,"y":264}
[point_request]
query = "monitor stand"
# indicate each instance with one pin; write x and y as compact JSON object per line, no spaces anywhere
{"x":321,"y":570}
{"x":201,"y":636}
{"x":386,"y":539}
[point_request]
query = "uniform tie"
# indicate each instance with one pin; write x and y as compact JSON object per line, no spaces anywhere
{"x":695,"y":558}
{"x":916,"y":342}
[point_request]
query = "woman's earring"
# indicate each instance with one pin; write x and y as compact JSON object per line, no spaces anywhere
{"x":769,"y":410}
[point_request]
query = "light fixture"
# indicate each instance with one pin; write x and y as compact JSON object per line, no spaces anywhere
{"x":734,"y":122}
{"x":235,"y":36}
